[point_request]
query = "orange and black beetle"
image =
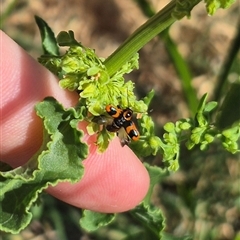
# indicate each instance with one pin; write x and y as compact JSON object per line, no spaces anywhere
{"x":120,"y":122}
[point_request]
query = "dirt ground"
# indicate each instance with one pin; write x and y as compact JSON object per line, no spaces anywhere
{"x":203,"y":41}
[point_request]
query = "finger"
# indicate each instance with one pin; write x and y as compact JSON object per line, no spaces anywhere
{"x":114,"y":181}
{"x":24,"y":82}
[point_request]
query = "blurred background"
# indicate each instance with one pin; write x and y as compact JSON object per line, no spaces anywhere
{"x":202,"y":198}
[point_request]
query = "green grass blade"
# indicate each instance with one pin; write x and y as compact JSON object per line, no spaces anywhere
{"x":183,"y":71}
{"x":222,"y":79}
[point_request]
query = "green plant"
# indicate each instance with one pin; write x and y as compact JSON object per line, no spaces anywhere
{"x":79,"y":69}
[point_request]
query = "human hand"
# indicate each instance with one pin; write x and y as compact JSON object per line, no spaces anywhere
{"x":113,"y":181}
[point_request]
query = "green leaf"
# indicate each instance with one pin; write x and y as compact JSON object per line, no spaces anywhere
{"x":202,"y":103}
{"x":93,"y":71}
{"x":166,"y":236}
{"x":156,"y":175}
{"x":103,"y":140}
{"x":210,"y":106}
{"x":150,"y":217}
{"x":197,"y":134}
{"x":49,"y":42}
{"x":230,"y":138}
{"x":184,"y":124}
{"x":149,"y":97}
{"x":149,"y":144}
{"x":232,"y":133}
{"x":184,"y":8}
{"x":213,"y":5}
{"x":67,"y":39}
{"x":208,"y":137}
{"x":91,"y":221}
{"x":169,"y":127}
{"x":200,"y":115}
{"x":59,"y":159}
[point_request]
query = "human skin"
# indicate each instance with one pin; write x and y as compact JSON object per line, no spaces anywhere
{"x":114,"y":181}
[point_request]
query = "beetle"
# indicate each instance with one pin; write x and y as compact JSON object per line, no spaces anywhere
{"x":121,"y":123}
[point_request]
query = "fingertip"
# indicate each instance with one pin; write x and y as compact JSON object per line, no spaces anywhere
{"x":114,"y":181}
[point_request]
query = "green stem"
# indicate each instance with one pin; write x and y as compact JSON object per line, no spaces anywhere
{"x":146,"y":32}
{"x":183,"y":71}
{"x":222,"y":82}
{"x":10,"y":7}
